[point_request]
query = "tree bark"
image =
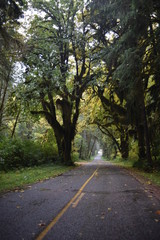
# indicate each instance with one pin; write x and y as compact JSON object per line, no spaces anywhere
{"x":148,"y":148}
{"x":81,"y":149}
{"x":124,"y":143}
{"x":142,"y":127}
{"x":15,"y":124}
{"x":94,"y":142}
{"x":141,"y":142}
{"x":3,"y":100}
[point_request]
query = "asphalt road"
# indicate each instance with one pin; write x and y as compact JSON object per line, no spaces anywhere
{"x":97,"y":201}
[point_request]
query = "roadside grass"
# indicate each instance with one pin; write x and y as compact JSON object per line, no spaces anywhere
{"x":154,"y":177}
{"x":150,"y":177}
{"x":84,"y":160}
{"x":20,"y":178}
{"x":128,"y":163}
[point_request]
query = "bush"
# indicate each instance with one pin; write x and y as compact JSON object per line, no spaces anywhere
{"x":11,"y":154}
{"x":32,"y":153}
{"x":50,"y":152}
{"x":15,"y":153}
{"x":75,"y":156}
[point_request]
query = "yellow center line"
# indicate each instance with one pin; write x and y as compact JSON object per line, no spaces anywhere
{"x":61,"y":213}
{"x":78,"y":200}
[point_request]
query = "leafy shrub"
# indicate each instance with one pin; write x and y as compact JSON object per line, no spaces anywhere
{"x":32,"y":153}
{"x":50,"y":152}
{"x":17,"y":153}
{"x":75,"y":156}
{"x":11,"y":153}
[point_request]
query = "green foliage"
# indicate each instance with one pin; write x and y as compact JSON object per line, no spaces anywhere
{"x":10,"y":45}
{"x":50,"y":152}
{"x":10,"y":10}
{"x":17,"y":153}
{"x":127,"y":33}
{"x":75,"y":156}
{"x":133,"y":147}
{"x":57,"y":64}
{"x":112,"y":46}
{"x":124,"y":163}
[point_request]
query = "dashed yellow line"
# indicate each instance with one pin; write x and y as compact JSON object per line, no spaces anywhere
{"x":77,"y":196}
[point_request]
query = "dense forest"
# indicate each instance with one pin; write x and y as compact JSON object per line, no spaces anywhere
{"x":77,"y":76}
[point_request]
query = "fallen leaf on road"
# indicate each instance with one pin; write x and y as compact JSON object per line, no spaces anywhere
{"x":41,"y":224}
{"x":149,"y":183}
{"x":156,"y":220}
{"x":158,"y":212}
{"x":18,"y":207}
{"x":102,"y":215}
{"x":109,"y":209}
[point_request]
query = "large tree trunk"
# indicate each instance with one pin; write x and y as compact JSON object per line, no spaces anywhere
{"x":147,"y":139}
{"x":124,"y":143}
{"x":3,"y":98}
{"x":141,"y":142}
{"x":67,"y":150}
{"x":64,"y":149}
{"x":81,"y":149}
{"x":142,"y":127}
{"x":64,"y":132}
{"x":60,"y":146}
{"x":92,"y":147}
{"x":65,"y":137}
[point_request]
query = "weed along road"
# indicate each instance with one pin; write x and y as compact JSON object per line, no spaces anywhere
{"x":96,"y":201}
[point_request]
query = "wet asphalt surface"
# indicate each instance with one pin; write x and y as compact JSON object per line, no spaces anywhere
{"x":112,"y":206}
